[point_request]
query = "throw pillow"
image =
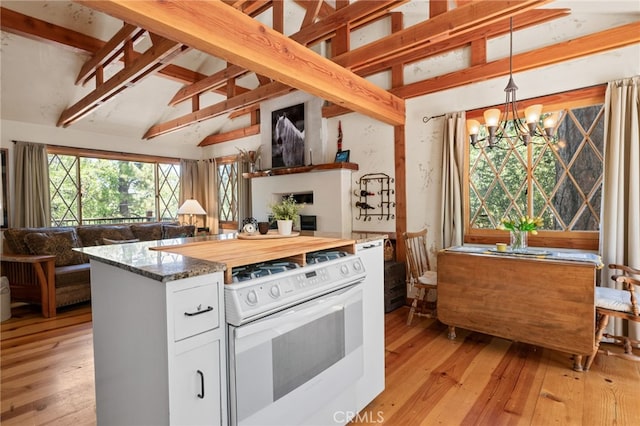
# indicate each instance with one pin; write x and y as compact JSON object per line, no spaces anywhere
{"x":178,"y":231}
{"x":147,"y":231}
{"x":59,"y":244}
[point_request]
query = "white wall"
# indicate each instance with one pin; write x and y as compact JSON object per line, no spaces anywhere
{"x":331,"y":196}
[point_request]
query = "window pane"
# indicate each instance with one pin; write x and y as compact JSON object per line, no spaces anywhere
{"x":116,"y":191}
{"x":565,"y":176}
{"x":168,"y":191}
{"x":64,"y":188}
{"x":227,"y":192}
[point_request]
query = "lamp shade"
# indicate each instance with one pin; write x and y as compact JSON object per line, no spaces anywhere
{"x":191,"y":207}
{"x":473,"y":126}
{"x":492,"y":117}
{"x":532,"y":113}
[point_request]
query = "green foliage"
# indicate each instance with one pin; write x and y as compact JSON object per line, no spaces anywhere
{"x":525,"y":223}
{"x":108,"y":189}
{"x":288,"y":209}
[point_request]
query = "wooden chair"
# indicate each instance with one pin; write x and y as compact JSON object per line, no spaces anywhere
{"x":419,"y":274}
{"x":611,"y":302}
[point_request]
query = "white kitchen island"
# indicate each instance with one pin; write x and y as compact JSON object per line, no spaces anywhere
{"x":160,"y":338}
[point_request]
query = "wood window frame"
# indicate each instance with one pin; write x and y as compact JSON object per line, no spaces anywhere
{"x":115,"y":156}
{"x":587,"y":240}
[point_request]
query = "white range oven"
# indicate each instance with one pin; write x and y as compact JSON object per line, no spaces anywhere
{"x":295,"y":340}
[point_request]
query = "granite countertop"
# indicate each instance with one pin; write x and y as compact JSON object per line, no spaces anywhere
{"x":163,"y":266}
{"x":154,"y":264}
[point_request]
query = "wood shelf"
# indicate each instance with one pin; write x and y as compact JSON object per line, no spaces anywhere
{"x":301,"y":169}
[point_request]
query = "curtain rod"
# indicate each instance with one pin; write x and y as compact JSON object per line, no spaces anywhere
{"x":426,"y":119}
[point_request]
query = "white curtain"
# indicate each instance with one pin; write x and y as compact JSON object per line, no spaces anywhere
{"x":452,"y":179}
{"x":244,"y":193}
{"x":33,"y":203}
{"x":620,"y":233}
{"x":198,"y":180}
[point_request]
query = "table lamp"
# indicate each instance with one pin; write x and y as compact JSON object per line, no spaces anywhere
{"x":191,"y":207}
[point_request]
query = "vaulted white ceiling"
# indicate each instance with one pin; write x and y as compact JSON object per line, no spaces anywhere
{"x":38,"y":79}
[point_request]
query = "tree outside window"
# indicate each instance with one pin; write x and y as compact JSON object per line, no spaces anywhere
{"x":559,"y":180}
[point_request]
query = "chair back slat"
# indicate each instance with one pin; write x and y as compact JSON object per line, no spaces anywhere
{"x":417,"y":255}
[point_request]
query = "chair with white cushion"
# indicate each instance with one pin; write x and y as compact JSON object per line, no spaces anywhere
{"x":619,"y":303}
{"x":419,"y":274}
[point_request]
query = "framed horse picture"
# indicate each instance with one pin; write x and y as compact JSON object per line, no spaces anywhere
{"x":287,"y":140}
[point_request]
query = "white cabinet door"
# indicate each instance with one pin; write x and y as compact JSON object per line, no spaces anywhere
{"x":196,"y":386}
{"x":372,"y":383}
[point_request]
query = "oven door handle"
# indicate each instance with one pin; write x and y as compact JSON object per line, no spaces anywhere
{"x":296,"y":316}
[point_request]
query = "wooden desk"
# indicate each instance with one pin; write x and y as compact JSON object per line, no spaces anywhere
{"x":543,"y":302}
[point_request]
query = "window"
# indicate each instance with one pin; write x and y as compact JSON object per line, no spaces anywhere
{"x":560,"y":181}
{"x":94,"y":187}
{"x":228,"y":192}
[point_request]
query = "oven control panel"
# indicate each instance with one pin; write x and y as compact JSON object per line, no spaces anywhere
{"x":252,"y":299}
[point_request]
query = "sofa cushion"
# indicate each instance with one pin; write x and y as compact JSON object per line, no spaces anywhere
{"x":178,"y":231}
{"x":59,"y":244}
{"x":147,"y":231}
{"x":108,"y":242}
{"x":73,"y":274}
{"x":15,"y":237}
{"x":73,"y":284}
{"x":93,"y":235}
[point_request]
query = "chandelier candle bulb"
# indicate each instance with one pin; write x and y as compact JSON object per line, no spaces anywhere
{"x":492,"y":117}
{"x":506,"y":124}
{"x":533,"y":113}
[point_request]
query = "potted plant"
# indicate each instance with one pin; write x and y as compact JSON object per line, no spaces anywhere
{"x":285,"y":212}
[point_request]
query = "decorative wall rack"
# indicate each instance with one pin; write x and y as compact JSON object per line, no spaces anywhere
{"x":373,"y":197}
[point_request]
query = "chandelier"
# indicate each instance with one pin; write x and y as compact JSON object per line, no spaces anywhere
{"x":522,"y":130}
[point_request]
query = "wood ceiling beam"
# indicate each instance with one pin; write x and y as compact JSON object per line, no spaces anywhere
{"x":116,"y":43}
{"x":244,"y":111}
{"x":149,"y":61}
{"x":437,"y":7}
{"x":42,"y":31}
{"x":602,"y":41}
{"x":257,"y":95}
{"x":355,"y":14}
{"x":211,"y":82}
{"x":39,"y":30}
{"x":231,"y":135}
{"x":221,"y":31}
{"x":455,"y":22}
{"x":360,"y":12}
{"x":256,"y":7}
{"x":524,"y":20}
{"x":313,"y":9}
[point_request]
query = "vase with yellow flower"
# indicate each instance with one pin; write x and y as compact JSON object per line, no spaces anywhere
{"x":519,"y":230}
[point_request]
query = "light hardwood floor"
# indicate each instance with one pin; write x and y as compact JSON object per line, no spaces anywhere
{"x":47,"y":378}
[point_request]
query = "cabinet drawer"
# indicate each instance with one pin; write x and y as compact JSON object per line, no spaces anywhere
{"x":195,"y":310}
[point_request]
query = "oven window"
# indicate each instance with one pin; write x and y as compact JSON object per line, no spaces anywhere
{"x":307,"y":351}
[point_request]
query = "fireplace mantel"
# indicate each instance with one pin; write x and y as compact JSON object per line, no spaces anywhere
{"x":301,"y":169}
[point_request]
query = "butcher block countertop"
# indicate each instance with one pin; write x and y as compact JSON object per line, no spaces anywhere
{"x":174,"y":259}
{"x":239,"y":252}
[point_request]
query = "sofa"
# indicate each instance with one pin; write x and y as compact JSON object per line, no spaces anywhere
{"x":43,"y":268}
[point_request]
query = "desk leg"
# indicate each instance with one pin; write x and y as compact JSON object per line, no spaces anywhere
{"x":452,"y":333}
{"x":577,"y":363}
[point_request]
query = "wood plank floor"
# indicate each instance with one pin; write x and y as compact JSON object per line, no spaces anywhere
{"x":47,"y":378}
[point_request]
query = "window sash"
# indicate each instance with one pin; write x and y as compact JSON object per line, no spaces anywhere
{"x":166,"y":177}
{"x":545,"y":238}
